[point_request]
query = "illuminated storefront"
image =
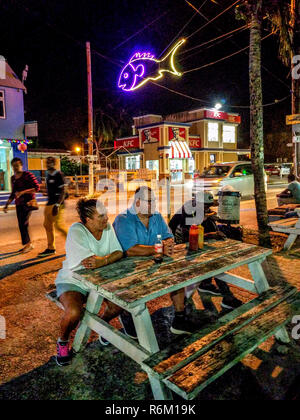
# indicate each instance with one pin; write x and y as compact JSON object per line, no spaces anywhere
{"x":180,"y":144}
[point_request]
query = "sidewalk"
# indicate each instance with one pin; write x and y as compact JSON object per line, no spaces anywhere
{"x":32,"y":331}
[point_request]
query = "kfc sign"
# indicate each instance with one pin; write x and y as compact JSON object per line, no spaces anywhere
{"x":128,"y":143}
{"x":177,"y":134}
{"x":150,"y":135}
{"x":195,"y":143}
{"x":218,"y":115}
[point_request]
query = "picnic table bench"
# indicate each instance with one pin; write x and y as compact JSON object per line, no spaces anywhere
{"x":280,"y":212}
{"x":186,"y":367}
{"x":289,"y":226}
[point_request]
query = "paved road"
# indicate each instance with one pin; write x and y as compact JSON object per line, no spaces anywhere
{"x":9,"y":232}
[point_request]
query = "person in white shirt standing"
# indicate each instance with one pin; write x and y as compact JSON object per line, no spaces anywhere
{"x":90,"y":244}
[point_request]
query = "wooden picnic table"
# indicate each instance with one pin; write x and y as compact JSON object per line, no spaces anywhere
{"x":289,"y":226}
{"x":132,"y":282}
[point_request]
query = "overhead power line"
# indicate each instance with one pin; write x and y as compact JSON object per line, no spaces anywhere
{"x":141,"y":30}
{"x":183,"y":28}
{"x":224,"y":58}
{"x":241,"y":28}
{"x":205,"y":101}
{"x":211,"y":20}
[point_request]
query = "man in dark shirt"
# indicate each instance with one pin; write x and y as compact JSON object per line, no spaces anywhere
{"x":180,"y":229}
{"x":54,"y":210}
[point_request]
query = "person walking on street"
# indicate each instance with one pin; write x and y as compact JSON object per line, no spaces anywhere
{"x":54,"y":210}
{"x":24,"y":187}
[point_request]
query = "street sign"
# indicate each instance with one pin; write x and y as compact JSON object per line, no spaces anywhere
{"x":290,"y":145}
{"x":293,"y":119}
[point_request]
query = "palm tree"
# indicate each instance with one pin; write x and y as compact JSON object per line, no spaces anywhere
{"x":254,"y":11}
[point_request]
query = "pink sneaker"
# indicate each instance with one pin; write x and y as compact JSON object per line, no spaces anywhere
{"x":64,"y":354}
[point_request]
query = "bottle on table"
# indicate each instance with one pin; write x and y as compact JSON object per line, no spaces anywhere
{"x":201,"y":237}
{"x":193,"y":238}
{"x":159,"y":250}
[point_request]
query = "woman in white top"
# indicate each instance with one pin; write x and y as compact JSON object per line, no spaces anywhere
{"x":90,"y":244}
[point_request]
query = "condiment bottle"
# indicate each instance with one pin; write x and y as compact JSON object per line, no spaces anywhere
{"x":193,"y":238}
{"x":201,"y":237}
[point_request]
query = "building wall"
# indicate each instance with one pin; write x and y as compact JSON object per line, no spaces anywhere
{"x":39,"y":164}
{"x":230,"y":157}
{"x":12,"y":127}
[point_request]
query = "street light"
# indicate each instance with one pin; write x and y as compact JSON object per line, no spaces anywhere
{"x":78,"y":150}
{"x":218,"y":106}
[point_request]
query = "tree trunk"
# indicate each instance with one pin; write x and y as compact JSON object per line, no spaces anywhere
{"x":256,"y":120}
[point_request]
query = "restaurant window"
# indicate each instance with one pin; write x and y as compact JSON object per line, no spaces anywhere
{"x":2,"y":104}
{"x":228,"y":133}
{"x":133,"y":163}
{"x":213,"y":132}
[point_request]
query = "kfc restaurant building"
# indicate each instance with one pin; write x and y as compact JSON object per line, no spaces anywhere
{"x":179,"y":144}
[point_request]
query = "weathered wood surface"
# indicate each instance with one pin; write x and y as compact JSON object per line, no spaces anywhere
{"x":286,"y":225}
{"x":179,"y":354}
{"x":128,"y":267}
{"x":281,"y":210}
{"x":198,"y":259}
{"x":194,"y":377}
{"x":171,"y":280}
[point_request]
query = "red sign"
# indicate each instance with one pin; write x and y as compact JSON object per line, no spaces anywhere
{"x":219,"y":115}
{"x":150,"y":135}
{"x":216,"y":115}
{"x":177,"y":133}
{"x":195,"y":143}
{"x":128,"y":143}
{"x":234,"y":119}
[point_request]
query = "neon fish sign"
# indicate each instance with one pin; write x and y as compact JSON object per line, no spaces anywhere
{"x":144,"y":67}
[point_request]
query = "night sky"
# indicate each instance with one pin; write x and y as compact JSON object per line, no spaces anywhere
{"x":50,"y":37}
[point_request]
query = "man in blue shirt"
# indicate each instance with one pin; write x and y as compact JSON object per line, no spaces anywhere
{"x":137,"y":231}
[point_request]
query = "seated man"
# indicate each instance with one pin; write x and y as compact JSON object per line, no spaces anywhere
{"x":292,"y":194}
{"x":180,"y":229}
{"x":137,"y":231}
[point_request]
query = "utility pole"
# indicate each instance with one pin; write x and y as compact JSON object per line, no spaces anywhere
{"x":90,"y":119}
{"x":295,"y":22}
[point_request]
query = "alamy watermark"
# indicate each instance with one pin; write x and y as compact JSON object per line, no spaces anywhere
{"x":2,"y":67}
{"x":2,"y":328}
{"x":164,"y":198}
{"x":296,"y":67}
{"x":296,"y":329}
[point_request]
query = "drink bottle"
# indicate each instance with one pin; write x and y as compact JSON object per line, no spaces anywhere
{"x":193,"y":238}
{"x":158,"y":258}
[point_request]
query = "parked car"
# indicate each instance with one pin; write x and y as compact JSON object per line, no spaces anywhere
{"x":285,"y":169}
{"x":272,"y":170}
{"x":239,"y":175}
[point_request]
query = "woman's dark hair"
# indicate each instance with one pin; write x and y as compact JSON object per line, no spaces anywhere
{"x":86,"y":208}
{"x":16,"y":160}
